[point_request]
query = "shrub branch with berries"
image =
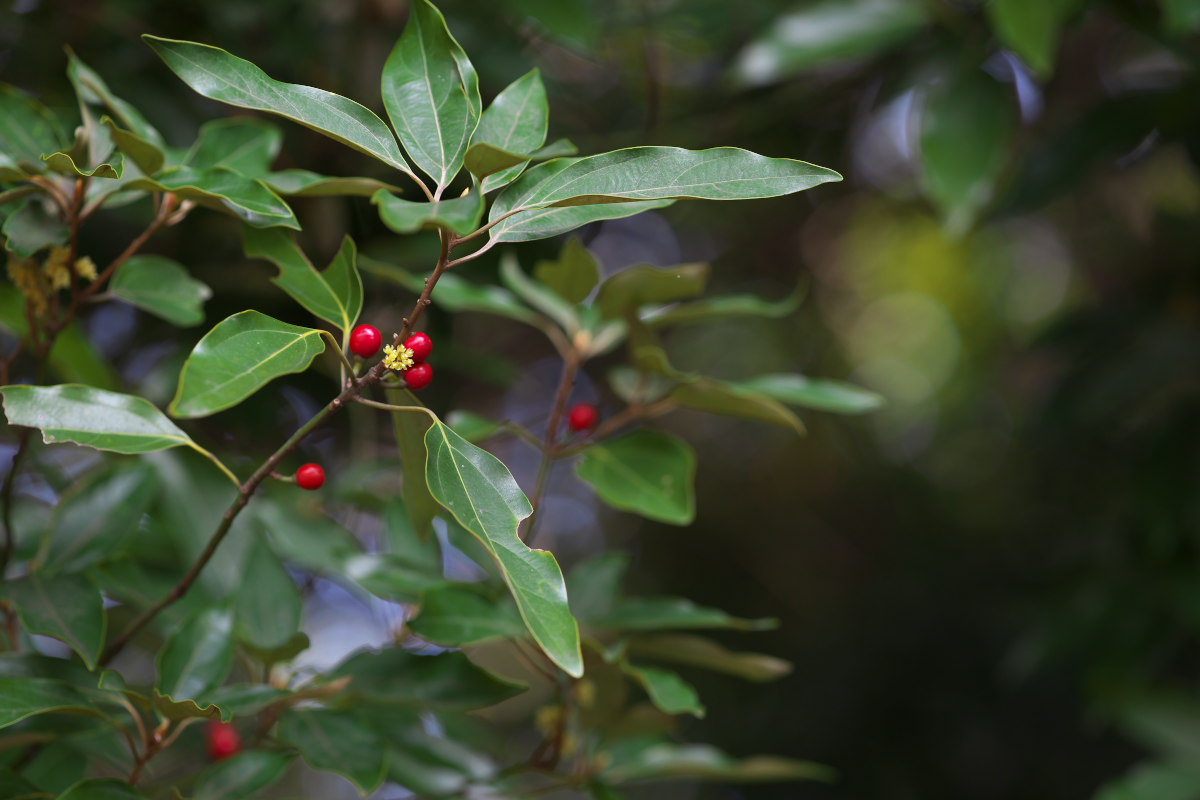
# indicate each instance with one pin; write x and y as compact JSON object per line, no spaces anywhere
{"x":195,"y":571}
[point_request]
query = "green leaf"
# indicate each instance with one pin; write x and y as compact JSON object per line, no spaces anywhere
{"x":431,"y":93}
{"x":966,"y":129}
{"x":817,"y":393}
{"x":92,"y":90}
{"x":243,"y":144}
{"x":595,"y":584}
{"x":237,"y":699}
{"x":1180,"y":17}
{"x":471,"y":426}
{"x":456,"y":617}
{"x":697,"y":651}
{"x":515,"y":122}
{"x":455,"y":293}
{"x":198,"y":656}
{"x":148,"y":156}
{"x":715,"y":308}
{"x":95,"y":418}
{"x":302,"y":183}
{"x":1173,"y":779}
{"x":660,"y":761}
{"x":479,"y":491}
{"x":177,"y":710}
{"x":502,"y":167}
{"x":162,"y":287}
{"x":268,"y":606}
{"x":396,"y":677}
{"x":540,"y":297}
{"x":26,"y":696}
{"x":411,"y":431}
{"x":657,"y":173}
{"x":827,"y":32}
{"x":66,"y":608}
{"x":647,"y":472}
{"x":242,"y":776}
{"x":392,"y":576}
{"x":63,"y":162}
{"x":96,"y":519}
{"x":673,"y":613}
{"x":668,"y":692}
{"x":30,"y":228}
{"x":573,"y":274}
{"x":27,"y":129}
{"x":222,"y":189}
{"x":237,"y":358}
{"x":734,"y":400}
{"x":1030,"y":28}
{"x":215,"y":73}
{"x":336,"y":741}
{"x":15,"y":787}
{"x":335,"y":295}
{"x":460,"y":215}
{"x":626,"y":291}
{"x":102,"y":789}
{"x":527,"y":226}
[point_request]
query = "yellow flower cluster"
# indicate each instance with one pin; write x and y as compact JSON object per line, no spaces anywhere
{"x":37,"y":284}
{"x":397,"y":359}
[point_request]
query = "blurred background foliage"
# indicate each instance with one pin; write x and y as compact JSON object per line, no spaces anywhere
{"x":989,"y":589}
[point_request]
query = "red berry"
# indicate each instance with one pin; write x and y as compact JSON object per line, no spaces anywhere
{"x":310,"y":477}
{"x":421,"y":345}
{"x":223,"y":740}
{"x":365,"y":340}
{"x":583,"y":416}
{"x":418,"y":376}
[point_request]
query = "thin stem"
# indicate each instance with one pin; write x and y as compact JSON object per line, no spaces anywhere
{"x":482,"y":230}
{"x":337,"y":348}
{"x":472,"y":256}
{"x":394,"y":408}
{"x":614,"y":423}
{"x":550,"y":445}
{"x":6,"y":497}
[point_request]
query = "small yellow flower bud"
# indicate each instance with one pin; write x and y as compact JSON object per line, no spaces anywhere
{"x":397,"y":359}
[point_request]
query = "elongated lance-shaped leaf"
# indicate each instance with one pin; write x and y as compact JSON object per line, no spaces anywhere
{"x":431,"y":93}
{"x":222,"y":189}
{"x":238,"y":357}
{"x":303,"y":183}
{"x":669,"y":693}
{"x":542,"y":223}
{"x":148,"y":156}
{"x":479,"y":491}
{"x":25,"y":696}
{"x":516,"y":121}
{"x":66,"y":608}
{"x":460,"y":215}
{"x":92,"y":90}
{"x":335,"y":295}
{"x":658,"y":173}
{"x":243,"y":144}
{"x":222,"y":76}
{"x":62,"y":162}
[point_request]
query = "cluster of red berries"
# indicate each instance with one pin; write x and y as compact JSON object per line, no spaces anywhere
{"x":365,"y":341}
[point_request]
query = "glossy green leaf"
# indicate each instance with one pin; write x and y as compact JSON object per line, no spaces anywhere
{"x":92,"y":417}
{"x":455,"y":617}
{"x":27,"y":129}
{"x":397,"y":677}
{"x":817,"y":393}
{"x":266,"y":608}
{"x":479,"y":491}
{"x":302,"y":183}
{"x":26,"y":696}
{"x":527,"y":226}
{"x":668,"y":692}
{"x":148,"y":156}
{"x":539,"y":296}
{"x":627,"y":290}
{"x":336,"y":741}
{"x":242,"y":776}
{"x":573,"y":274}
{"x":62,"y":162}
{"x":514,"y":123}
{"x":1031,"y":28}
{"x":472,"y":427}
{"x":734,"y":400}
{"x":657,"y":761}
{"x":431,"y":93}
{"x":222,"y":189}
{"x":503,"y":166}
{"x":243,"y":144}
{"x":673,"y":613}
{"x":656,"y":173}
{"x":97,"y":518}
{"x":102,"y":789}
{"x":30,"y":228}
{"x":335,"y":295}
{"x":716,"y":308}
{"x":217,"y":74}
{"x":455,"y":293}
{"x":410,"y":432}
{"x":237,"y":699}
{"x":827,"y":32}
{"x":697,"y":651}
{"x":92,"y":90}
{"x":67,"y":608}
{"x":176,"y":710}
{"x":966,"y":130}
{"x":237,"y":358}
{"x":460,"y":215}
{"x":162,"y":287}
{"x":198,"y":656}
{"x":647,"y":472}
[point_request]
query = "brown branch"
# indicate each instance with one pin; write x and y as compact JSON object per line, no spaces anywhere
{"x":566,"y":382}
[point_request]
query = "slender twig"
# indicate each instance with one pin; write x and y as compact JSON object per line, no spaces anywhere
{"x":489,"y":226}
{"x":337,"y":348}
{"x":632,"y":413}
{"x":471,"y":256}
{"x":566,"y":382}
